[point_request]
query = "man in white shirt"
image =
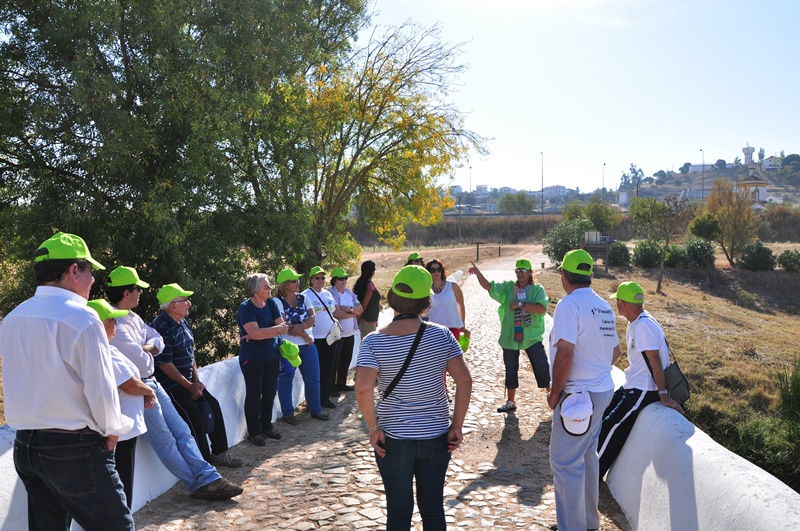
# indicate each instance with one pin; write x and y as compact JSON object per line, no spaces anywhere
{"x":648,"y":354}
{"x":584,"y":344}
{"x":167,"y":432}
{"x":61,"y":397}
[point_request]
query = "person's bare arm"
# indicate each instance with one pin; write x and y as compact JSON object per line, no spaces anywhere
{"x":364,"y":304}
{"x":462,"y":311}
{"x":661,"y":382}
{"x":481,"y":279}
{"x":194,"y":388}
{"x":565,"y":353}
{"x":365,"y":396}
{"x":255,"y":332}
{"x":459,"y":371}
{"x":617,"y":354}
{"x":136,"y":387}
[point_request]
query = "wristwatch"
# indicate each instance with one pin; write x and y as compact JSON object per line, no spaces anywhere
{"x":520,"y":304}
{"x":663,"y":392}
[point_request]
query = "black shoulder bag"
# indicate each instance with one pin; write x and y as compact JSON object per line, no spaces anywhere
{"x":675,"y":381}
{"x":406,"y":363}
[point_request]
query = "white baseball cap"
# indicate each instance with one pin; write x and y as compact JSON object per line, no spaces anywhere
{"x":576,"y":413}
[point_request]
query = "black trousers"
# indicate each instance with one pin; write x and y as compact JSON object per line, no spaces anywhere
{"x":125,"y":459}
{"x":346,"y":345}
{"x":327,"y":365}
{"x":618,"y":420}
{"x":190,"y":411}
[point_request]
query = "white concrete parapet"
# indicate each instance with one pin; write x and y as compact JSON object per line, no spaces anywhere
{"x":672,"y":476}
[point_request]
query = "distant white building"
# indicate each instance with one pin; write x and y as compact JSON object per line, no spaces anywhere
{"x":555,"y":191}
{"x":456,"y":190}
{"x":771,"y":163}
{"x":481,"y":190}
{"x":507,"y":190}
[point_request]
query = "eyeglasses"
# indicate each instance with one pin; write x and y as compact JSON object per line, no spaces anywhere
{"x":521,"y":270}
{"x":340,"y":278}
{"x":435,"y":270}
{"x":137,"y":288}
{"x":181,"y":301}
{"x":317,"y":278}
{"x":266,"y":286}
{"x":293,"y":281}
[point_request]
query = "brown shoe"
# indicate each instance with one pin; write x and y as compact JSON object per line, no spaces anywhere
{"x":221,"y":489}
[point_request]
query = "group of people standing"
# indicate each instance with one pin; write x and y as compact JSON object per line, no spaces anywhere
{"x":84,"y":379}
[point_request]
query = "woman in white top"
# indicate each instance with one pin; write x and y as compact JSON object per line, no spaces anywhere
{"x":447,"y":305}
{"x":347,"y":311}
{"x":134,"y":397}
{"x":324,"y":305}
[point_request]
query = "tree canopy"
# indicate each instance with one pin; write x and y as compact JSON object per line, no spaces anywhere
{"x":732,"y":211}
{"x":197,"y":140}
{"x":519,"y":203}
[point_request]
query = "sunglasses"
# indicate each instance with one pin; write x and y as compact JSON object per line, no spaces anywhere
{"x":340,"y":278}
{"x":521,"y":270}
{"x":435,"y":270}
{"x":317,"y":278}
{"x":293,"y":281}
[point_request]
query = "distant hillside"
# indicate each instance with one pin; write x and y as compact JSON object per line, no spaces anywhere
{"x":678,"y":182}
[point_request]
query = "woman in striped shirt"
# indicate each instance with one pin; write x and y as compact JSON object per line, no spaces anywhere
{"x":410,"y":429}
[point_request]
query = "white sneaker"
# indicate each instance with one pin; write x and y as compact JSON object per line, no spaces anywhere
{"x":508,"y":406}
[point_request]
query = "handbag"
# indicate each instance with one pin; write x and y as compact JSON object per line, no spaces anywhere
{"x":335,"y":333}
{"x":676,"y":383}
{"x":406,"y":363}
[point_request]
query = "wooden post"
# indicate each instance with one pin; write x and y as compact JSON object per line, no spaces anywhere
{"x":498,"y":251}
{"x":478,"y":252}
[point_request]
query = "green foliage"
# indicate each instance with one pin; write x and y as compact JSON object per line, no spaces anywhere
{"x":705,"y":227}
{"x":720,"y":164}
{"x":603,"y":216}
{"x":676,"y":256}
{"x":732,"y":211}
{"x":789,"y":392}
{"x":685,"y":168}
{"x":647,"y":254}
{"x":757,"y":257}
{"x":699,"y":253}
{"x":790,"y":260}
{"x":783,"y":222}
{"x":619,"y":255}
{"x":565,"y":236}
{"x":573,"y":210}
{"x":519,"y":203}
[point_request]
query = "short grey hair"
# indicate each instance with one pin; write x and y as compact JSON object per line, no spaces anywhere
{"x":165,"y":305}
{"x":252,"y":285}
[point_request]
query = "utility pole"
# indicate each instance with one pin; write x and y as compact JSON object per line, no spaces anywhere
{"x":542,"y":154}
{"x":603,"y":192}
{"x":703,"y":179}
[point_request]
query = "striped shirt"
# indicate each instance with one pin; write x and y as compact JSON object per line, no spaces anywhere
{"x":417,"y":408}
{"x":178,"y":349}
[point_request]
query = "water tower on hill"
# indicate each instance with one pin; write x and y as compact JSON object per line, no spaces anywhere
{"x":748,"y":153}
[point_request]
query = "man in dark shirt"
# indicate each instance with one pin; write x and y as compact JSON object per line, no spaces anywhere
{"x":177,"y":373}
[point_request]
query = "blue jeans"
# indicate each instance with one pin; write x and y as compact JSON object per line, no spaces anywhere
{"x":261,"y":386}
{"x":172,"y":441}
{"x":407,"y":459}
{"x":309,"y":368}
{"x":70,"y":476}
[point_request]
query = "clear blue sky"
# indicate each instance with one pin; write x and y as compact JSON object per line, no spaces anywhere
{"x":587,"y":82}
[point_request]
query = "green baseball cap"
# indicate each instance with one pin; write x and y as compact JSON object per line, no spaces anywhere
{"x":171,"y":292}
{"x":523,"y":264}
{"x":414,"y":256}
{"x":287,"y":274}
{"x":577,"y":261}
{"x":315,"y":270}
{"x":105,"y":310}
{"x":63,"y":246}
{"x":125,"y":276}
{"x":339,"y":272}
{"x":417,"y":278}
{"x":629,"y":292}
{"x":291,"y":352}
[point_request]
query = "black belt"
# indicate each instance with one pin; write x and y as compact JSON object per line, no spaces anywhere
{"x":82,"y":431}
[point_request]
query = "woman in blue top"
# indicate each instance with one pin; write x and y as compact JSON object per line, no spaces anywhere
{"x":411,"y":430}
{"x":260,"y":322}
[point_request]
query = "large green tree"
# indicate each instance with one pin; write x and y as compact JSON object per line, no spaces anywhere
{"x":200,"y":139}
{"x":732,"y":209}
{"x":519,"y":203}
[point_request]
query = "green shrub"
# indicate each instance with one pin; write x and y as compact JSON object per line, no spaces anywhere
{"x":676,"y":256}
{"x":756,"y":256}
{"x":646,"y":254}
{"x":565,"y":236}
{"x":699,"y":253}
{"x":619,"y":255}
{"x":790,"y":260}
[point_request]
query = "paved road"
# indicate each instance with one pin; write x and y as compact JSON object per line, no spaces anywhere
{"x":322,"y":475}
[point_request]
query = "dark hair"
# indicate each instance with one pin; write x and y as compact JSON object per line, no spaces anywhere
{"x":403,"y":305}
{"x":114,"y":294}
{"x":577,"y":280}
{"x":441,"y":264}
{"x":54,"y":270}
{"x":360,"y":288}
